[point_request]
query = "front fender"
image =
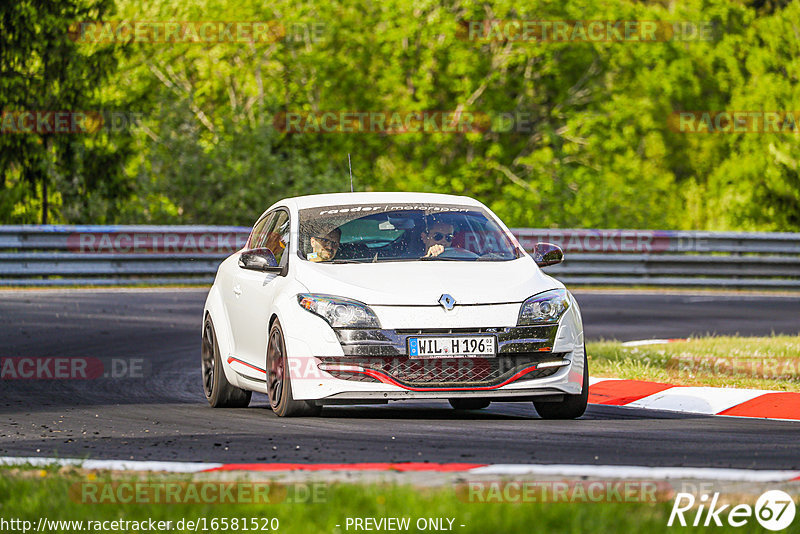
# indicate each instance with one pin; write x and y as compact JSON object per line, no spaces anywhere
{"x":215,"y":307}
{"x":306,"y":336}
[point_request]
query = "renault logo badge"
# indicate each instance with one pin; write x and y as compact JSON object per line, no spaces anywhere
{"x":447,"y":302}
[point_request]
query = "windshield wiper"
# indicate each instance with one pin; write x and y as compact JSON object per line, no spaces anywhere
{"x":494,"y":257}
{"x":344,"y":261}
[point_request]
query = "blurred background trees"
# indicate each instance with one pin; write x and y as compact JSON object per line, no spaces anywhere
{"x":596,"y":149}
{"x":65,"y":177}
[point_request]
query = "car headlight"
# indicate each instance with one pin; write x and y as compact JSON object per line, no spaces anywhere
{"x":544,"y":308}
{"x":339,"y":312}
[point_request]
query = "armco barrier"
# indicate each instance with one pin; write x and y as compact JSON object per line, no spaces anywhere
{"x":108,"y":255}
{"x":672,"y":258}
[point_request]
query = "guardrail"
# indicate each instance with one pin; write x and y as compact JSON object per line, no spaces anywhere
{"x":110,"y":255}
{"x":673,"y":258}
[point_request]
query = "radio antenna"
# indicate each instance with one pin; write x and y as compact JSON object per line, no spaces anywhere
{"x":351,"y":172}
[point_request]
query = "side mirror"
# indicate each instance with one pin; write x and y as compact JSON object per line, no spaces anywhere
{"x":259,"y":259}
{"x":545,"y":254}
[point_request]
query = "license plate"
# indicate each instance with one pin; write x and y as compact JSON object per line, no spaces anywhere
{"x":451,"y":347}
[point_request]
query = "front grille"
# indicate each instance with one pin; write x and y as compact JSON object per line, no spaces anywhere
{"x":446,"y":372}
{"x":517,"y":340}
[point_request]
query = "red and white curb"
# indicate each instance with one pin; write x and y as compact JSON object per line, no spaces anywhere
{"x":756,"y":403}
{"x":564,"y":470}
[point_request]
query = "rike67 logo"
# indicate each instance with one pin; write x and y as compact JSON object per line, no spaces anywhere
{"x":774,"y":510}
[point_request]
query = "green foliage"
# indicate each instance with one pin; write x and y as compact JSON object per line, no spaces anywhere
{"x":55,"y":495}
{"x":44,"y":70}
{"x":594,"y":148}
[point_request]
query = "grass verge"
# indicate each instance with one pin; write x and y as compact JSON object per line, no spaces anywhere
{"x":741,"y":362}
{"x":31,"y":494}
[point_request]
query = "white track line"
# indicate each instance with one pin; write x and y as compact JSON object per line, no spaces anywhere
{"x":638,"y":472}
{"x":593,"y":380}
{"x":598,"y":471}
{"x":113,"y":465}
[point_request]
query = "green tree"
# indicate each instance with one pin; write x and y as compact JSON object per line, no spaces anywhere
{"x":75,"y":176}
{"x":590,"y":145}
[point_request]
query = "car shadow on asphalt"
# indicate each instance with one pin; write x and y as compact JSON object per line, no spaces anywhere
{"x":500,"y":411}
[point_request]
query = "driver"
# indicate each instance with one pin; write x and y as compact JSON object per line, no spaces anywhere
{"x":437,"y":238}
{"x":325,"y":247}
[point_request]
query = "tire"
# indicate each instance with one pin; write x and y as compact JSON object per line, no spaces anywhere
{"x":573,"y":406}
{"x":219,"y":392}
{"x":469,"y":404}
{"x":279,"y":384}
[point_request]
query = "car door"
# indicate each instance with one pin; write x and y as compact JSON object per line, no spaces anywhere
{"x":239,"y":310}
{"x":255,"y":293}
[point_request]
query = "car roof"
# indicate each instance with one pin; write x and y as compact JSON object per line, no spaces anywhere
{"x":333,"y":199}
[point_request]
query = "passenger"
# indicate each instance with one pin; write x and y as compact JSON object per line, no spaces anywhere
{"x":325,"y":247}
{"x":437,"y":237}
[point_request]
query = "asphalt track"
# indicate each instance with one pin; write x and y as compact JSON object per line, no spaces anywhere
{"x":163,"y":416}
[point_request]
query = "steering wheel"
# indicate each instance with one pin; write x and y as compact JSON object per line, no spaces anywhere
{"x":458,"y":253}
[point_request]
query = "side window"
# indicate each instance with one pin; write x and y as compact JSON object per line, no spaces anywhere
{"x":277,"y":237}
{"x":258,"y":235}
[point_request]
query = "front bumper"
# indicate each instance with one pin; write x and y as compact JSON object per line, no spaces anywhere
{"x":374,"y":366}
{"x":381,"y":356}
{"x":311,"y":342}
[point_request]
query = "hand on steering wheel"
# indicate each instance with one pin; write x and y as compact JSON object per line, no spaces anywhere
{"x":434,"y":250}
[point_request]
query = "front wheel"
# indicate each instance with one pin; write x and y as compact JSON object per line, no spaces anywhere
{"x":279,"y":384}
{"x":219,"y":392}
{"x":573,"y":406}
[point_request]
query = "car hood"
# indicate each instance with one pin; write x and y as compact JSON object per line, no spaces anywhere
{"x":424,"y":282}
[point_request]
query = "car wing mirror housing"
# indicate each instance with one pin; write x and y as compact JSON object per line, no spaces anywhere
{"x":260,"y":259}
{"x":545,"y":254}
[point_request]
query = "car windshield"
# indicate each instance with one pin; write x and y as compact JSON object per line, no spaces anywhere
{"x":372,"y":233}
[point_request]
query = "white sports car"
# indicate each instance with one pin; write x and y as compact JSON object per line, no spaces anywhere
{"x":358,"y":298}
